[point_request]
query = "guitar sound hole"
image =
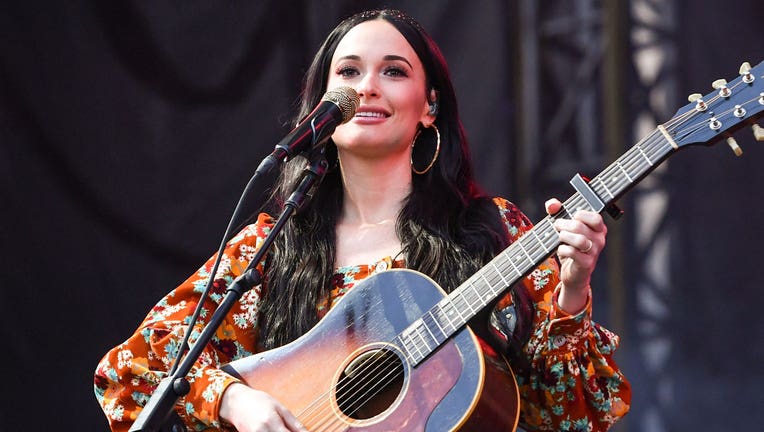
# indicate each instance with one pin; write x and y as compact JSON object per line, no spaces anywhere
{"x":370,"y":384}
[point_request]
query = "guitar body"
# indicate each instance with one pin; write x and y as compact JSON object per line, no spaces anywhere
{"x":345,"y":374}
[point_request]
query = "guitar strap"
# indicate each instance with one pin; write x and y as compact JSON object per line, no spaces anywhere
{"x":511,"y":328}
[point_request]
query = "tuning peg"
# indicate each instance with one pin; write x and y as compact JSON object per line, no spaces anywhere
{"x":721,"y":85}
{"x":733,"y":145}
{"x":745,"y":72}
{"x":758,"y":132}
{"x":697,"y":97}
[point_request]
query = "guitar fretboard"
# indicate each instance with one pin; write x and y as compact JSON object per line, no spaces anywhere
{"x":427,"y":333}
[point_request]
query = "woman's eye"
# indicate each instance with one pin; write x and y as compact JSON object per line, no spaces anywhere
{"x":347,"y":72}
{"x":396,"y":71}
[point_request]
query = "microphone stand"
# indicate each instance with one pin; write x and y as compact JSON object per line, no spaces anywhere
{"x":158,"y":414}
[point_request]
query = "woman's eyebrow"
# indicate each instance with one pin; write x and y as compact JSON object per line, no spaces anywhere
{"x":350,"y":57}
{"x":397,"y":57}
{"x":389,"y":57}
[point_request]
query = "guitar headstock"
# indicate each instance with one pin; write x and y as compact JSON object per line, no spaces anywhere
{"x":707,"y":119}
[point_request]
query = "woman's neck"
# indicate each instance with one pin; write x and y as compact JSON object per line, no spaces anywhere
{"x":374,"y":192}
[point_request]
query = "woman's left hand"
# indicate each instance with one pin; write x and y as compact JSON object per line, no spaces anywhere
{"x":582,"y":238}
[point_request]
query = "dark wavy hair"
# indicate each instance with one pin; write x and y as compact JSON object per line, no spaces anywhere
{"x":447,"y":227}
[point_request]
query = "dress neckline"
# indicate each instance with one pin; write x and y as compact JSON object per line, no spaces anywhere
{"x":383,"y":264}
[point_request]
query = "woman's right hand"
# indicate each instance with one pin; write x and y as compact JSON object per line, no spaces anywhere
{"x":251,"y":410}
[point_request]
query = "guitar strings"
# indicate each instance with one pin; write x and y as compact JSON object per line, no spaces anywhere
{"x":650,"y":149}
{"x":716,"y":97}
{"x":380,"y":369}
{"x":678,"y":125}
{"x":701,"y":125}
{"x":307,"y":415}
{"x":370,"y":367}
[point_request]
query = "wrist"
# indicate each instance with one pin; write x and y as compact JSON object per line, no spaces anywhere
{"x":573,"y":301}
{"x":228,"y":400}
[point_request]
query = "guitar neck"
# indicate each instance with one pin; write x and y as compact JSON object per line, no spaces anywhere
{"x":522,"y":256}
{"x":703,"y":121}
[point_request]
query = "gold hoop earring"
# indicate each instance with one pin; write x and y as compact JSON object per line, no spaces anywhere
{"x":434,"y":157}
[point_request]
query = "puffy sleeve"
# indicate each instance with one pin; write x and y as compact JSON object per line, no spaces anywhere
{"x":568,"y":379}
{"x":128,"y":374}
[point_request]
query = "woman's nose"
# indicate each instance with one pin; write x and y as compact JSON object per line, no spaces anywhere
{"x":368,"y":86}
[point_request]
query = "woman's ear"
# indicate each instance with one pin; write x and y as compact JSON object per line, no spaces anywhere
{"x":433,"y":102}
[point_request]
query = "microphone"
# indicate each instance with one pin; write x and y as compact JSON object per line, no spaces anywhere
{"x":337,"y":106}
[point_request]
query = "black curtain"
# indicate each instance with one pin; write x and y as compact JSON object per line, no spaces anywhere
{"x":717,"y":272}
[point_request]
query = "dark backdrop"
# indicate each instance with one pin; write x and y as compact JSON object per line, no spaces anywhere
{"x":128,"y":130}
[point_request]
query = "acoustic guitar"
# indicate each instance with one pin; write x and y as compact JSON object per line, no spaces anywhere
{"x":396,"y":353}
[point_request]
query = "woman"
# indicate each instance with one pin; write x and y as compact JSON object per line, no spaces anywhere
{"x":400,"y":194}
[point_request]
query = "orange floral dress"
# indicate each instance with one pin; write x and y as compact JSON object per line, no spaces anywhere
{"x":571,"y":383}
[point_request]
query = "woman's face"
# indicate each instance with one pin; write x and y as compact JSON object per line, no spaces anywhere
{"x":376,"y":60}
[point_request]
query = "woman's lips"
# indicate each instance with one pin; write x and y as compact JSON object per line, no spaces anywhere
{"x":370,"y":115}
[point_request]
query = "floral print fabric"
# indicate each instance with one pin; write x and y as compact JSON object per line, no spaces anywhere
{"x":571,"y":383}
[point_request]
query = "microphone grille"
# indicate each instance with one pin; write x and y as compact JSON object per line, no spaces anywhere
{"x":346,"y":99}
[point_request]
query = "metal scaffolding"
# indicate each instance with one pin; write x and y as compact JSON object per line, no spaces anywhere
{"x":593,"y":78}
{"x":653,"y":56}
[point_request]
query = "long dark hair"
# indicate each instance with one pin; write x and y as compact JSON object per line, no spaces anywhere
{"x":448,"y":228}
